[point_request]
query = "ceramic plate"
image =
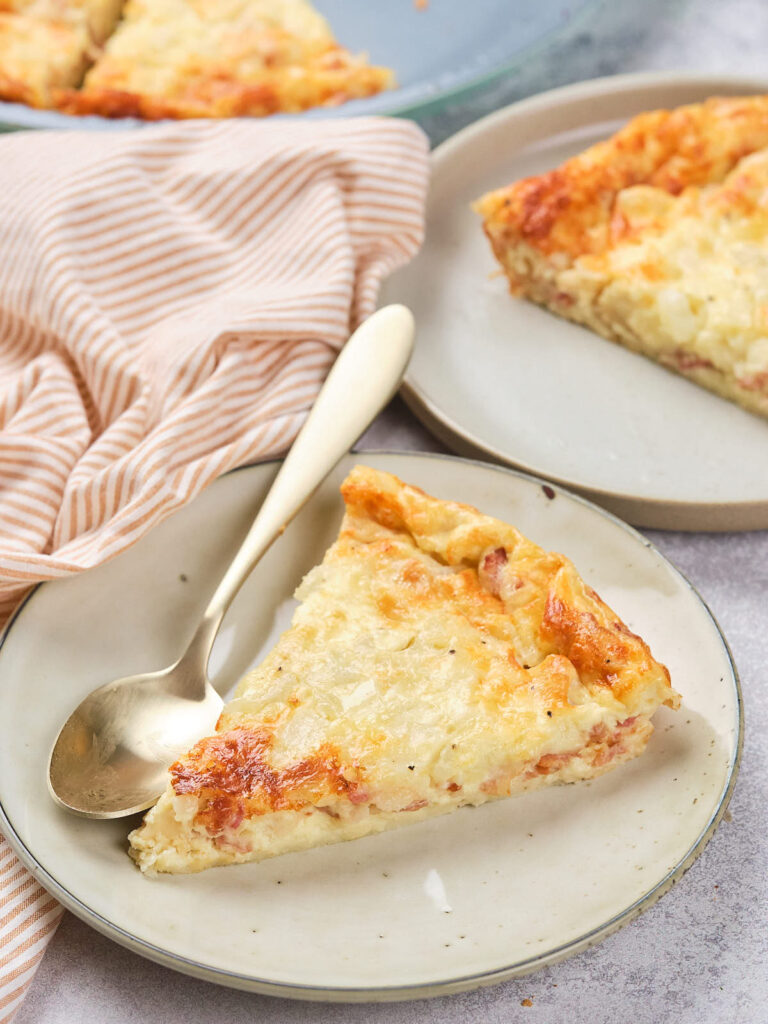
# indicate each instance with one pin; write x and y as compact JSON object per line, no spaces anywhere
{"x":437,"y":50}
{"x":460,"y":901}
{"x":502,"y":378}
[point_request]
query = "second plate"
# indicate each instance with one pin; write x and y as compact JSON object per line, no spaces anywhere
{"x":498,"y":377}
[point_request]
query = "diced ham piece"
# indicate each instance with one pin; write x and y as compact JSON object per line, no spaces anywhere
{"x":755,"y":382}
{"x":491,"y":569}
{"x":690,"y":361}
{"x":416,"y":805}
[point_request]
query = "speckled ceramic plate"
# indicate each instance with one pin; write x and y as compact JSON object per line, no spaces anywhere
{"x":449,"y":904}
{"x":501,"y":378}
{"x":436,"y":50}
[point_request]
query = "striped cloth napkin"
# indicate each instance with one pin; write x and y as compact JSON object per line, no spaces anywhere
{"x":170,"y":301}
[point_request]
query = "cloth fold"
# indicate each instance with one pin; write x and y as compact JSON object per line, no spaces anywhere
{"x":171,"y":299}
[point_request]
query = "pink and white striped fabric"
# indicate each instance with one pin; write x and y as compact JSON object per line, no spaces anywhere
{"x":170,"y":301}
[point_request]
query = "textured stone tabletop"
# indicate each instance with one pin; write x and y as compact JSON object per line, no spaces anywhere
{"x":700,"y":955}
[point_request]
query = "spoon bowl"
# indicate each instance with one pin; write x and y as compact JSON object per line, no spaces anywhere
{"x":112,"y":755}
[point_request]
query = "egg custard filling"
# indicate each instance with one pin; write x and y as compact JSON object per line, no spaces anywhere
{"x":438,"y":658}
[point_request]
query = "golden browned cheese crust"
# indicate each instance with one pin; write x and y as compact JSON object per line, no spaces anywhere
{"x":438,"y":659}
{"x":570,"y":209}
{"x":655,"y":238}
{"x":221,"y":58}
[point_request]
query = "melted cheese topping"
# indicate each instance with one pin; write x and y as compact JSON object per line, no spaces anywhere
{"x":98,"y":16}
{"x":657,"y":238}
{"x":48,"y":44}
{"x":214,"y":58}
{"x":36,"y":56}
{"x":438,"y":658}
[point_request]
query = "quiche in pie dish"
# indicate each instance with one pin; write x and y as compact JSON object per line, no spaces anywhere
{"x":657,"y":239}
{"x":177,"y":58}
{"x":438,"y":658}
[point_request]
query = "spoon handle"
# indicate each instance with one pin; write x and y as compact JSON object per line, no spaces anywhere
{"x":366,"y":374}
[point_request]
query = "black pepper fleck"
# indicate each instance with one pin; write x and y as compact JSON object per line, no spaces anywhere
{"x":549,"y":714}
{"x":183,"y":578}
{"x":411,"y":767}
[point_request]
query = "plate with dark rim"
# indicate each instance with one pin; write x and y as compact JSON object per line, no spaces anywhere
{"x":499,"y":378}
{"x":441,"y":906}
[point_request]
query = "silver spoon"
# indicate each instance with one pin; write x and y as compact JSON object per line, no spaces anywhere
{"x":113,"y":752}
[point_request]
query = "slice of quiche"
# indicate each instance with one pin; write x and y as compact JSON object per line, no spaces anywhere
{"x":656,"y":238}
{"x":221,"y":58}
{"x":47,"y":45}
{"x":438,"y":658}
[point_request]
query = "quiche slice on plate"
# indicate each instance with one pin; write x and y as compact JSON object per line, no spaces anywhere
{"x":221,"y":58}
{"x":657,"y":239}
{"x":438,"y":658}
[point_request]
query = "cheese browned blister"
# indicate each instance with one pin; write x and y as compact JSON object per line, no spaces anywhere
{"x":438,"y":658}
{"x":656,"y":238}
